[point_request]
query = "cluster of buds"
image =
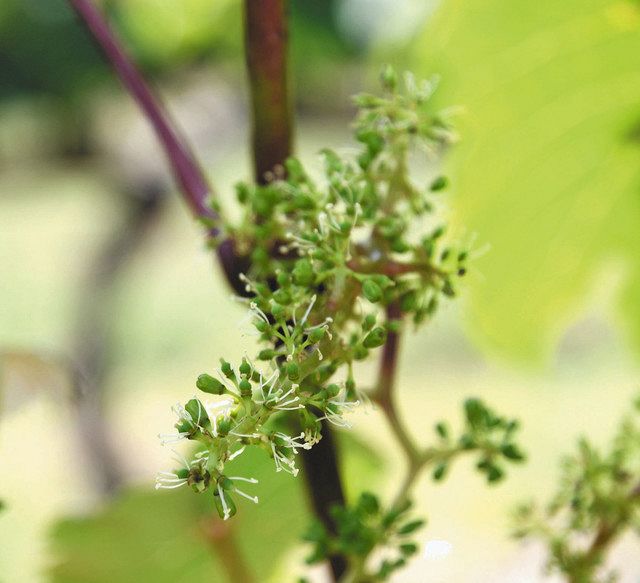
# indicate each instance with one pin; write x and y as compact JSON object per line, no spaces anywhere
{"x":326,"y":259}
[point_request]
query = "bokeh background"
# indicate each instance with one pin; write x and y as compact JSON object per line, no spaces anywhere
{"x":110,"y":305}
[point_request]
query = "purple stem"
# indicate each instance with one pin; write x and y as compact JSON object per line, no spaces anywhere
{"x":185,"y":168}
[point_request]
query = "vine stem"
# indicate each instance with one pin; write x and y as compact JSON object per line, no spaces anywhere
{"x":384,"y":396}
{"x":196,"y":191}
{"x":266,"y":41}
{"x":186,"y":170}
{"x":605,"y":536}
{"x":266,"y":38}
{"x":266,"y":48}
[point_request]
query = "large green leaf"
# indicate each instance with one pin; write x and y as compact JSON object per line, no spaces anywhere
{"x":548,"y":171}
{"x":158,"y":537}
{"x":152,"y":536}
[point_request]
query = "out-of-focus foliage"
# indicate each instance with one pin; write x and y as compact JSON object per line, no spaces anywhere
{"x":43,"y":50}
{"x":146,"y":535}
{"x":171,"y":32}
{"x":152,"y":536}
{"x":598,"y":500}
{"x":549,"y":170}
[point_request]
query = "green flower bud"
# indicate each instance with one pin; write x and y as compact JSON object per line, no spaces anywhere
{"x":440,"y":472}
{"x":245,"y":388}
{"x":316,"y":335}
{"x":283,"y":279}
{"x":282,"y":297}
{"x":439,"y":183}
{"x":372,"y":291}
{"x":332,"y":390}
{"x":278,"y":311}
{"x":389,"y":78}
{"x":399,"y":246}
{"x":245,"y":367}
{"x":224,"y":426}
{"x":475,"y":412}
{"x":360,"y":353}
{"x":467,"y":442}
{"x":410,"y":527}
{"x":227,"y":369}
{"x":408,"y":549}
{"x":293,"y":371}
{"x":208,"y":384}
{"x":442,"y":430}
{"x":303,"y":274}
{"x":369,"y":322}
{"x":220,"y":507}
{"x":409,"y":301}
{"x":494,"y":474}
{"x":350,"y":386}
{"x":375,"y":338}
{"x":261,"y":326}
{"x":259,"y":256}
{"x":243,"y":192}
{"x":512,"y":452}
{"x":266,"y":354}
{"x":438,"y":232}
{"x":368,"y":503}
{"x":447,"y":288}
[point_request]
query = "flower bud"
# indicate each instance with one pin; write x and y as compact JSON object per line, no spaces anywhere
{"x":220,"y":507}
{"x":333,"y":389}
{"x":369,"y":322}
{"x":375,"y":338}
{"x":303,"y":273}
{"x":283,"y":279}
{"x":224,"y":426}
{"x":389,"y":78}
{"x":277,"y":310}
{"x":245,"y":388}
{"x":511,"y":451}
{"x":245,"y":367}
{"x":266,"y":354}
{"x":293,"y":371}
{"x":207,"y":384}
{"x":372,"y":291}
{"x":227,"y":369}
{"x":440,"y":472}
{"x":440,"y":183}
{"x":316,"y":335}
{"x":282,"y":297}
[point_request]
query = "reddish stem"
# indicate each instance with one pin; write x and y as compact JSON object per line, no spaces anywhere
{"x":266,"y":52}
{"x":183,"y":163}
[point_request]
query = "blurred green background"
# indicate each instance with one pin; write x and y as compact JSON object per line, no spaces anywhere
{"x":102,"y":270}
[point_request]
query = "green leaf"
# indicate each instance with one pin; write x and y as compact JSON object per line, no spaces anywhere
{"x":158,"y":537}
{"x":548,"y":171}
{"x":146,"y":535}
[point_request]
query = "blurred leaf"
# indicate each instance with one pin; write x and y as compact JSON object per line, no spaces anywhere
{"x":146,"y":535}
{"x":549,"y":168}
{"x":170,"y":32}
{"x":362,"y":467}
